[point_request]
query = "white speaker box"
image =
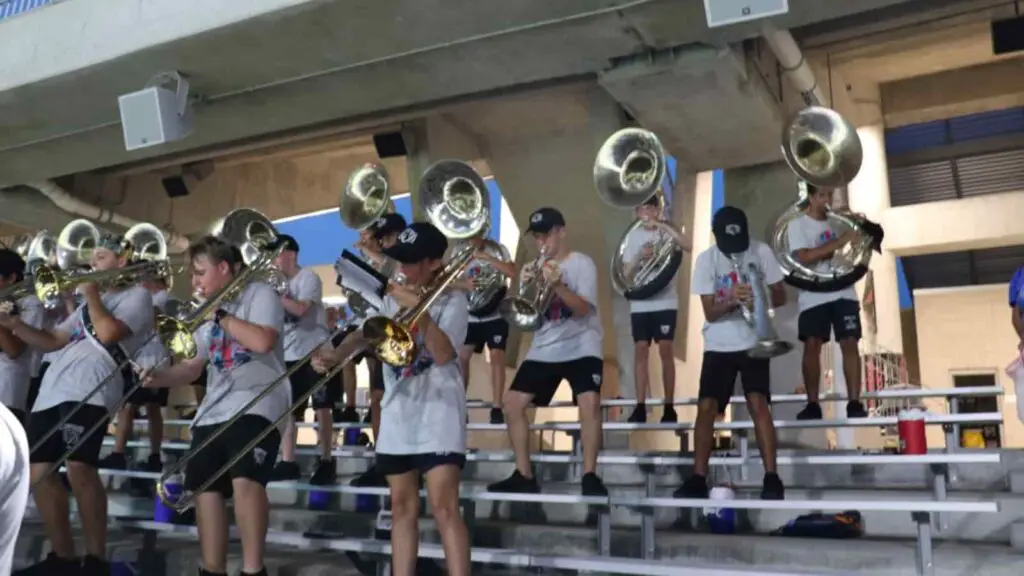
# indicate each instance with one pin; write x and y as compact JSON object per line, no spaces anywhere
{"x":726,"y":12}
{"x":154,"y":116}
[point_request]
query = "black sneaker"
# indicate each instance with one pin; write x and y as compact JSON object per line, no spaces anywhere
{"x":515,"y":484}
{"x":93,"y":566}
{"x":325,"y":473}
{"x":286,"y":471}
{"x":369,"y":479}
{"x":593,"y":485}
{"x":51,"y":566}
{"x":208,"y":573}
{"x":349,"y":414}
{"x":810,"y":412}
{"x":669,"y":416}
{"x":497,"y":416}
{"x":855,"y":409}
{"x":113,"y":461}
{"x":639,"y":415}
{"x":696,"y":486}
{"x":262,"y":572}
{"x":153,"y":464}
{"x":772,"y":488}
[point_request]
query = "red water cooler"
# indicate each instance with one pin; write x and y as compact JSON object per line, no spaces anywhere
{"x":913,"y":439}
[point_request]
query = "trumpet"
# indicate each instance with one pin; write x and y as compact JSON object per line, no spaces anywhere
{"x":145,"y":246}
{"x":143,"y":242}
{"x":255,"y":237}
{"x":455,"y":200}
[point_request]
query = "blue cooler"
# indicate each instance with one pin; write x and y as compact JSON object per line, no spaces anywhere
{"x":721,"y":520}
{"x":174,"y":486}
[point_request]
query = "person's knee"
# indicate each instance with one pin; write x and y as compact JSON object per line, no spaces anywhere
{"x":665,"y":349}
{"x":248,"y":490}
{"x":514,"y":404}
{"x":641,"y":350}
{"x":445,"y":507}
{"x":849,"y":346}
{"x":812,"y":348}
{"x":589,"y":404}
{"x":405,"y":504}
{"x":80,"y":474}
{"x":707,"y":408}
{"x":758,"y":405}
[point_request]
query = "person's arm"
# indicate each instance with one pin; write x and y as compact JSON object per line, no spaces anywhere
{"x":107,"y":328}
{"x":259,"y":332}
{"x":773,"y":275}
{"x":578,"y":290}
{"x":443,"y":335}
{"x":309,"y":291}
{"x":715,"y":311}
{"x":703,"y":285}
{"x":35,"y":336}
{"x":30,"y":315}
{"x":506,"y":266}
{"x":181,"y":374}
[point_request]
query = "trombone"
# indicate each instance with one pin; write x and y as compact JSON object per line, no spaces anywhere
{"x":144,"y":243}
{"x":455,"y":199}
{"x":34,"y":249}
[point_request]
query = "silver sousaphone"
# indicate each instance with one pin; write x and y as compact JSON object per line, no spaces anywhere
{"x":629,"y":169}
{"x":823,"y":149}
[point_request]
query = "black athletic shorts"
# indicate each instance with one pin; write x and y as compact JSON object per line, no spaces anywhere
{"x":541,"y":379}
{"x":142,"y":396}
{"x":302,"y":381}
{"x":718,"y":373}
{"x":396,"y":464}
{"x":33,"y":387}
{"x":257,"y":466}
{"x":653,"y":326}
{"x":492,"y":333}
{"x":70,"y":433}
{"x":841,"y":316}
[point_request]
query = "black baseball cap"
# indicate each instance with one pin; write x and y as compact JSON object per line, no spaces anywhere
{"x":287,"y":242}
{"x":11,"y":263}
{"x":387,"y":225}
{"x":544,"y":219}
{"x":729,"y":226}
{"x":419,"y":241}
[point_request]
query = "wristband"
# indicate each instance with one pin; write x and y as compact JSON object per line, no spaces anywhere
{"x":219,"y":316}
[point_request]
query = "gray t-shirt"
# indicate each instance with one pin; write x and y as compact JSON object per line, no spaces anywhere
{"x":424,"y":405}
{"x":805,"y":232}
{"x":85,"y":363}
{"x":235,"y":375}
{"x":564,"y":336}
{"x":16,"y":372}
{"x":303,"y":334}
{"x":667,"y":299}
{"x":153,"y":351}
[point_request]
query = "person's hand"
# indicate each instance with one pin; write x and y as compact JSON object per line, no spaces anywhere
{"x":153,"y":379}
{"x":647,"y":251}
{"x":7,"y":318}
{"x":848,"y":237}
{"x":320,"y":361}
{"x":742,"y":293}
{"x":89,"y":289}
{"x":405,"y":297}
{"x":551,"y":271}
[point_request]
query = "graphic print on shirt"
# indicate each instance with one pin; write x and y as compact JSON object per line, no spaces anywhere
{"x":557,"y":310}
{"x":225,"y":352}
{"x":723,"y":286}
{"x":423,"y":362}
{"x":825,"y":237}
{"x":78,"y":332}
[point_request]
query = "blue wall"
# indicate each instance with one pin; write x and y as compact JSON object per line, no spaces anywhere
{"x":322,"y":236}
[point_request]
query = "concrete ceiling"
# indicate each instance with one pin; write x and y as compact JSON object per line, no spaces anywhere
{"x":344,"y":62}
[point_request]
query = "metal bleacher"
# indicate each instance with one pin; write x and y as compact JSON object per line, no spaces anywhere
{"x":929,"y":510}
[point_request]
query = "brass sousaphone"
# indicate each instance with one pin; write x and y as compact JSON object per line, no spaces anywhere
{"x":629,"y":169}
{"x":823,"y":149}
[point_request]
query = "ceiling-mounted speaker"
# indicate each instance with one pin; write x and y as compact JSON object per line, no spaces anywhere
{"x":156,"y":114}
{"x":390,"y":145}
{"x":726,"y":12}
{"x":1008,"y":35}
{"x":175,"y":186}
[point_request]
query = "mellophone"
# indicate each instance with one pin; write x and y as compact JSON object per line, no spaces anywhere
{"x":820,"y":146}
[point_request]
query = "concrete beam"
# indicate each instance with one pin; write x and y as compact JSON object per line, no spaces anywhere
{"x":992,"y":86}
{"x":966,"y":224}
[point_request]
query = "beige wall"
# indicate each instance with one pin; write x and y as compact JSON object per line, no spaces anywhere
{"x":967,"y":331}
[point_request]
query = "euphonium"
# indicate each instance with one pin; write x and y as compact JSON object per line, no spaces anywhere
{"x":454,"y":199}
{"x":757,"y":312}
{"x":490,"y":285}
{"x":525,"y":308}
{"x":146,"y":250}
{"x":628,"y":171}
{"x":823,"y":149}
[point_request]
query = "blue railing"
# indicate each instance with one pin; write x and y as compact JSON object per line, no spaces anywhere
{"x":9,"y":8}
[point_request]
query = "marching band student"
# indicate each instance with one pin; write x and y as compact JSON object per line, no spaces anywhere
{"x":242,"y":345}
{"x":108,"y":328}
{"x":567,"y":346}
{"x":813,"y":243}
{"x":653,"y":319}
{"x":151,"y":354}
{"x":490,"y":331}
{"x":423,"y":421}
{"x":304,"y":330}
{"x":374,"y":241}
{"x":14,"y":484}
{"x":727,"y":338}
{"x":15,"y":357}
